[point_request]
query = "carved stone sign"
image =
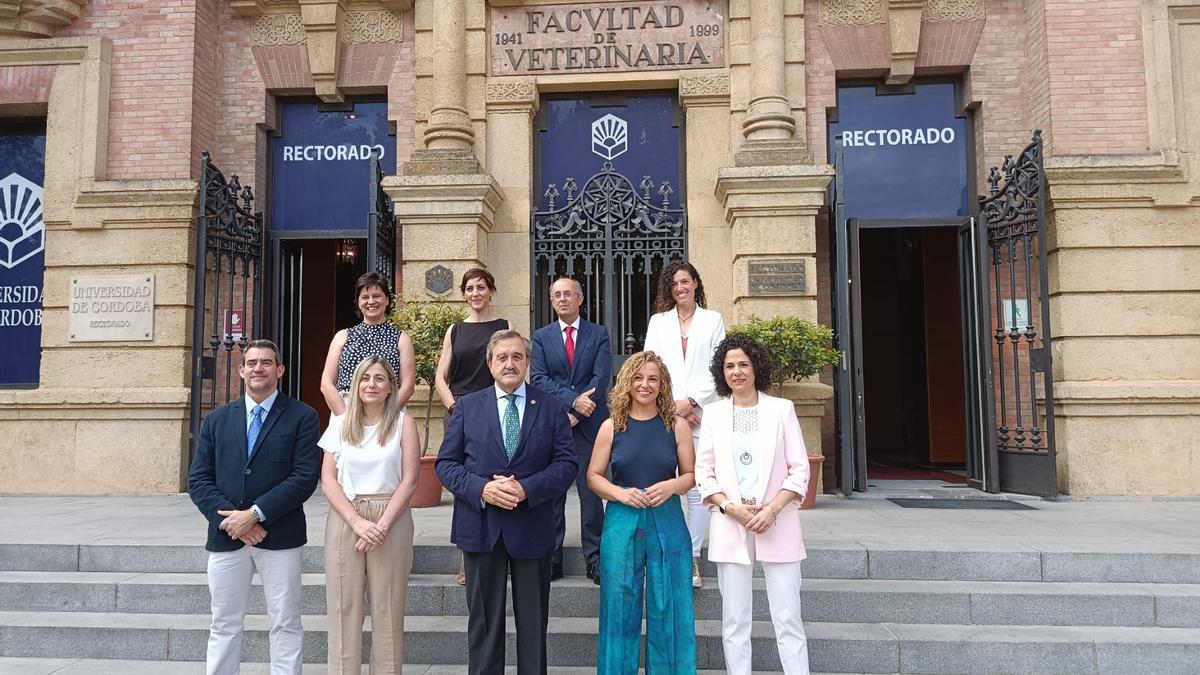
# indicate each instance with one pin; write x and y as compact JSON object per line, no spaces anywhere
{"x":606,"y":36}
{"x":111,"y":308}
{"x":439,"y":279}
{"x":777,"y":277}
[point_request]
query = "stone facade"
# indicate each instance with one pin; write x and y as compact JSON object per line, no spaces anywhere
{"x":1106,"y":86}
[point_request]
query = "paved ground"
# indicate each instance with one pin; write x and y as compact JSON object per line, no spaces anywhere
{"x":1091,"y":525}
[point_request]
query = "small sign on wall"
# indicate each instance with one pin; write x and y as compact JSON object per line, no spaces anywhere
{"x":111,"y":308}
{"x":1016,"y":316}
{"x":777,"y":277}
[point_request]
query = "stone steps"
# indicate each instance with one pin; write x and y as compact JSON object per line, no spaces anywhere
{"x":827,"y":560}
{"x":834,"y":647}
{"x":868,"y":608}
{"x":31,"y":666}
{"x":824,"y":600}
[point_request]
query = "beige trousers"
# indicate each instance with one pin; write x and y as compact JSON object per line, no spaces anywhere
{"x":382,"y":575}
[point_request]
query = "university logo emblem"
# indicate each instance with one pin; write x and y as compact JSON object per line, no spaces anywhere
{"x":439,"y":279}
{"x":610,"y":137}
{"x":22,"y":232}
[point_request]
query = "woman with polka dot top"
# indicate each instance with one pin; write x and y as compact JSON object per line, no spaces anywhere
{"x":373,"y":336}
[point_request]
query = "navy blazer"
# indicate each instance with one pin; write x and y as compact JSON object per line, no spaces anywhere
{"x":279,"y":476}
{"x":593,"y":368}
{"x":545,"y":464}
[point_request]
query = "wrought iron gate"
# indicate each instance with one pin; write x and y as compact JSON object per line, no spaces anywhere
{"x":381,"y":228}
{"x":614,"y":241}
{"x":228,"y":292}
{"x":1016,"y":310}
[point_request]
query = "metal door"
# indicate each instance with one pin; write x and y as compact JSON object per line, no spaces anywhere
{"x":381,"y":228}
{"x":614,"y":241}
{"x":1018,"y":309}
{"x":852,"y":457}
{"x":227,"y":300}
{"x":291,"y":312}
{"x":977,"y":367}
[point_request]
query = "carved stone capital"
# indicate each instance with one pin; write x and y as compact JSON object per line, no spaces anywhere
{"x":37,"y":18}
{"x":952,"y":10}
{"x":514,"y":94}
{"x":701,"y":90}
{"x":851,"y":12}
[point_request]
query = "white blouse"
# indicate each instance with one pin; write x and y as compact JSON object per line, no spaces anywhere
{"x":368,"y":468}
{"x":745,"y":455}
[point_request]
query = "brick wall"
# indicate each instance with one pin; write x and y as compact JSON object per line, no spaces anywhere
{"x":1097,"y":77}
{"x":151,"y":102}
{"x":25,"y":84}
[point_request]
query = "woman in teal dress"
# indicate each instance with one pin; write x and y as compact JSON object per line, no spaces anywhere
{"x":645,"y":551}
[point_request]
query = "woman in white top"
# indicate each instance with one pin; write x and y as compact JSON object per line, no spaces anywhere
{"x":368,"y":475}
{"x":684,"y":334}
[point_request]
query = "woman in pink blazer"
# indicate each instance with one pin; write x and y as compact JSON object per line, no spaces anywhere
{"x":752,"y":469}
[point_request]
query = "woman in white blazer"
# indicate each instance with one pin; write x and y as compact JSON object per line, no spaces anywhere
{"x":684,"y":334}
{"x":752,"y":468}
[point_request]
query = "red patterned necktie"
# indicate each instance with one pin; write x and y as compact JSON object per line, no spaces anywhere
{"x":570,"y":345}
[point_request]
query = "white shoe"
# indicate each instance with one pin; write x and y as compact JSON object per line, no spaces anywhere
{"x":697,"y":580}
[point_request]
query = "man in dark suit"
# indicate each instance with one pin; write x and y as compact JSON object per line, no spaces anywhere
{"x":508,"y":457}
{"x":572,"y":361}
{"x":256,"y":463}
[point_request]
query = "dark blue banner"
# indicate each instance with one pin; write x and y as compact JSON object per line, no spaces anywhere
{"x":22,"y":251}
{"x":904,"y":155}
{"x":639,"y":138}
{"x":321,"y":166}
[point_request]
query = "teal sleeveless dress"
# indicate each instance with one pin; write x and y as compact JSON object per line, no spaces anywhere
{"x":645,"y":558}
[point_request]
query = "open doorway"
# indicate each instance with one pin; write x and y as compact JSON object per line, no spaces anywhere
{"x":316,"y":299}
{"x":910,"y":335}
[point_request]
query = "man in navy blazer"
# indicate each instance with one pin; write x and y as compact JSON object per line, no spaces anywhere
{"x":508,"y":458}
{"x":256,"y":463}
{"x":572,"y":361}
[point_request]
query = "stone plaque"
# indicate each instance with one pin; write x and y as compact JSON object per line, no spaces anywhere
{"x":439,"y":279}
{"x":606,"y":37}
{"x":777,"y":277}
{"x":119,"y":308}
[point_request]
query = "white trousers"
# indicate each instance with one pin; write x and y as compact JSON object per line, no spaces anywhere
{"x":229,"y":578}
{"x":783,"y":594}
{"x":698,"y":514}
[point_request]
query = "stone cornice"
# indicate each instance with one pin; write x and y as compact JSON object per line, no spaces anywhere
{"x":253,"y":8}
{"x":438,"y":198}
{"x":37,"y":18}
{"x":1163,"y":167}
{"x":53,"y":51}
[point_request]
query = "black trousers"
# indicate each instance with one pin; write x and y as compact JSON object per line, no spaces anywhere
{"x":487,"y":579}
{"x":591,"y":508}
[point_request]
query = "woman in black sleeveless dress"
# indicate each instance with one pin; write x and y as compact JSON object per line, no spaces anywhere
{"x":462,"y":368}
{"x":373,"y":336}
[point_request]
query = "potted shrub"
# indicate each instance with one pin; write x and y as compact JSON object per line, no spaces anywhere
{"x":800,"y":350}
{"x":426,"y":324}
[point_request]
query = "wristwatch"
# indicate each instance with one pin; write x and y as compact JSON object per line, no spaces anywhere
{"x":723,"y":504}
{"x":693,"y":402}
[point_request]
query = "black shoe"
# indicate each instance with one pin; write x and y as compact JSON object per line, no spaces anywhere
{"x":556,"y":571}
{"x":593,"y":571}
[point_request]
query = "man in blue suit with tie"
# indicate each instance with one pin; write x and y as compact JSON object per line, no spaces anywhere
{"x":508,"y":458}
{"x":572,"y":361}
{"x":256,"y":463}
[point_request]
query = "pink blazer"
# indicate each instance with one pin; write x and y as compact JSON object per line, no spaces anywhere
{"x":785,"y":468}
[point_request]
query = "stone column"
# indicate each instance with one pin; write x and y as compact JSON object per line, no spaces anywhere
{"x":769,"y":116}
{"x":704,"y":96}
{"x":448,"y":137}
{"x":770,"y":127}
{"x":511,"y":104}
{"x":323,"y":31}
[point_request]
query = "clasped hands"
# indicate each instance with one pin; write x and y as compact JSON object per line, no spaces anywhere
{"x":243,"y":526}
{"x":504,"y":492}
{"x":757,"y":519}
{"x":654,"y":495}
